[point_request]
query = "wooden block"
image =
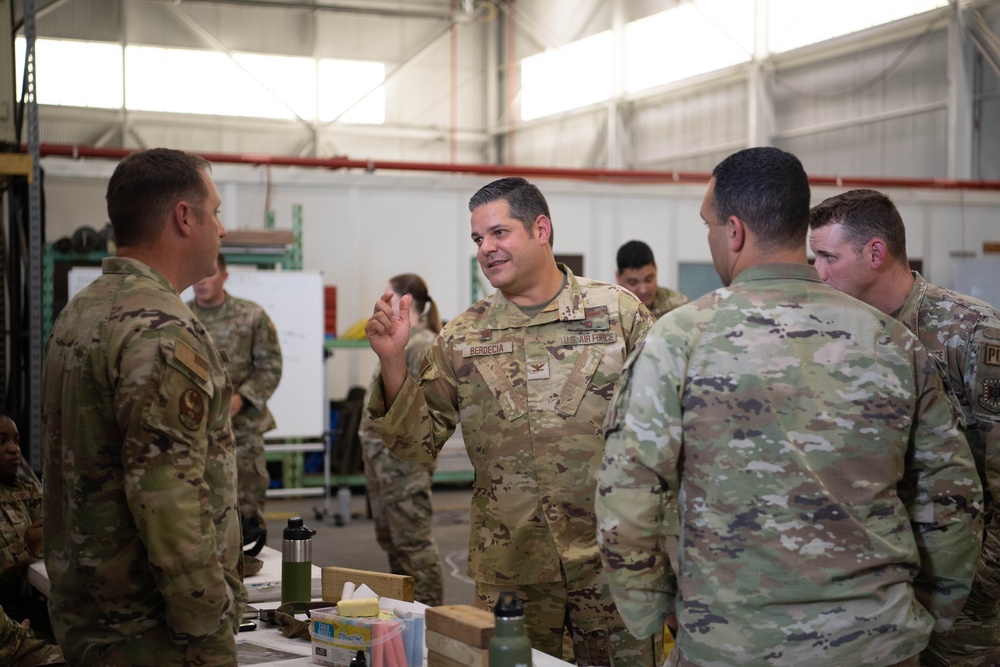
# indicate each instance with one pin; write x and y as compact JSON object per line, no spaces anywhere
{"x":395,"y":586}
{"x":435,"y":659}
{"x":454,"y":650}
{"x":16,"y":164}
{"x":463,"y":622}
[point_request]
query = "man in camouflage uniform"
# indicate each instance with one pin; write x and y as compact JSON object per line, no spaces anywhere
{"x":142,"y":535}
{"x":399,"y":492}
{"x":829,"y":506}
{"x":20,"y":533}
{"x":529,"y":372}
{"x":637,"y":273}
{"x":19,"y":647}
{"x":860,"y":244}
{"x":242,"y":330}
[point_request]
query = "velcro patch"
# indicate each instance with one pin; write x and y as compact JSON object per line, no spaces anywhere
{"x":488,"y":349}
{"x":991,"y":355}
{"x":594,"y":338}
{"x":191,"y":360}
{"x":191,"y":409}
{"x":538,"y":369}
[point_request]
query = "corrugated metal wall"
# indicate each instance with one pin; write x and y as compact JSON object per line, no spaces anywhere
{"x":878,"y":107}
{"x":987,"y":110}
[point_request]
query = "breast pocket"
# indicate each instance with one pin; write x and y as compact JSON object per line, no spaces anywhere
{"x":509,"y":393}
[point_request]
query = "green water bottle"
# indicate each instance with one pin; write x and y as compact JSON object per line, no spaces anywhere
{"x":296,"y":562}
{"x":509,"y":646}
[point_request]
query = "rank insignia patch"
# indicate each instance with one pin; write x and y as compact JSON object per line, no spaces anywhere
{"x":191,"y":409}
{"x":990,"y":398}
{"x":538,"y":369}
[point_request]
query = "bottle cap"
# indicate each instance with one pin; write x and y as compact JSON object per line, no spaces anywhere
{"x":508,"y":606}
{"x":296,"y":530}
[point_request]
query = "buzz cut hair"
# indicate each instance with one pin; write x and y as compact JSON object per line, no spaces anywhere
{"x":864,"y":215}
{"x":145,"y":187}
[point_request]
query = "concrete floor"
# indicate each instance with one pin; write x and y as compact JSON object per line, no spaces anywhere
{"x":353,"y":545}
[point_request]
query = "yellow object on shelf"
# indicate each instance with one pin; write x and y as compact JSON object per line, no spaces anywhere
{"x":356,"y":331}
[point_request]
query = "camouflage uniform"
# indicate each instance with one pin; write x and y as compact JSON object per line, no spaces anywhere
{"x":531,"y":396}
{"x":142,"y":533}
{"x":830,"y":509}
{"x":399,"y":494}
{"x":20,"y":648}
{"x":666,"y":300}
{"x":243,"y":330}
{"x":20,"y":506}
{"x":963,"y":335}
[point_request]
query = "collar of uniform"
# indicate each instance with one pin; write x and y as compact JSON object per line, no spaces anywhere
{"x":568,"y":305}
{"x":911,"y":307}
{"x":193,"y":304}
{"x":134,"y":267}
{"x":777,"y":272}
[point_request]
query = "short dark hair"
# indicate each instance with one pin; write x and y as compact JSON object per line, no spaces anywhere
{"x":768,"y":190}
{"x":634,"y":255}
{"x":525,"y":200}
{"x":864,"y":215}
{"x":146,"y":185}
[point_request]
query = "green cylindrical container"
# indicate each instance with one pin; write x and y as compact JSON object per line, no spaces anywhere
{"x":509,"y":646}
{"x":296,"y":562}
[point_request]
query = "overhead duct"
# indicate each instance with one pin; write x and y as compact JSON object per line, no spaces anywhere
{"x":500,"y":170}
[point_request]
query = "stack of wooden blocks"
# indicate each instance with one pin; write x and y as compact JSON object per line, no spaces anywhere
{"x":457,"y":636}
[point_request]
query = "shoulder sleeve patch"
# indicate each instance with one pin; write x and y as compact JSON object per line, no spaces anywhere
{"x":991,"y":355}
{"x":191,"y":360}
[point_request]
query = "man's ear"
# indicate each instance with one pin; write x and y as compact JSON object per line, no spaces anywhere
{"x":544,"y":226}
{"x":182,"y":218}
{"x":878,"y":252}
{"x":736,"y":232}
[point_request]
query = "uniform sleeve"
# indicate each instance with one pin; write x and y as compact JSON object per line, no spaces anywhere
{"x":638,"y":475}
{"x":636,"y":321}
{"x":982,"y":388}
{"x":424,"y":414}
{"x":266,"y":373}
{"x":16,"y":515}
{"x":165,"y":409}
{"x":15,"y":556}
{"x":944,"y":498}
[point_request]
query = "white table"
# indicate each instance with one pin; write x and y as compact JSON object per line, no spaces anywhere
{"x":262,"y":587}
{"x":267,"y":635}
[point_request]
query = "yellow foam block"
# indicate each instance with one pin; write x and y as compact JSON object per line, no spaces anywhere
{"x":358,"y":608}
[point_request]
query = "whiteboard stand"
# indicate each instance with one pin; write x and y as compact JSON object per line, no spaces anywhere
{"x":321,"y":513}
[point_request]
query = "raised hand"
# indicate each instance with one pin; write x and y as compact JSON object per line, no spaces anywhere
{"x":388,"y":332}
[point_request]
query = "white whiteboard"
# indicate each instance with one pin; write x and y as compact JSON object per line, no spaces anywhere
{"x":294,"y":302}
